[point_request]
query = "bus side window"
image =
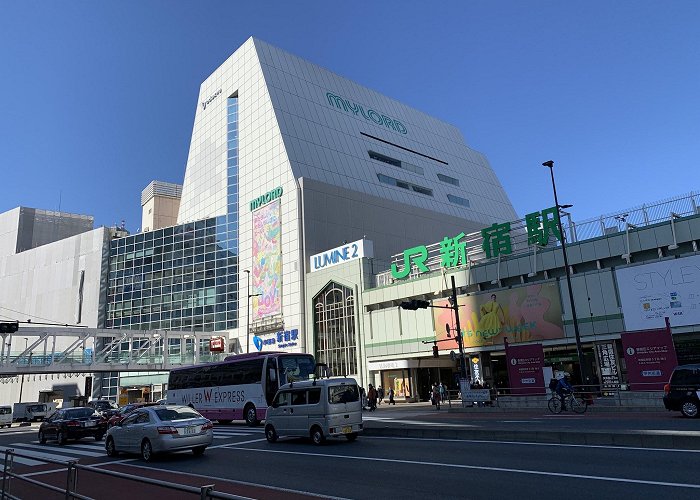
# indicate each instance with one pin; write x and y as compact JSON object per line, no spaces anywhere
{"x":271,"y":384}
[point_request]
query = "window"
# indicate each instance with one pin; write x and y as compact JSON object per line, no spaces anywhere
{"x":282,"y":399}
{"x":314,"y":396}
{"x":298,"y":398}
{"x":172,"y":414}
{"x":142,"y":418}
{"x":343,"y":394}
{"x":396,"y":163}
{"x":448,"y":179}
{"x":458,"y":200}
{"x":404,"y":185}
{"x":334,"y":329}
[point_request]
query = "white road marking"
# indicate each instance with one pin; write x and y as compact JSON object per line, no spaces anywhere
{"x":480,"y":467}
{"x":68,"y":450}
{"x":530,"y":443}
{"x":237,"y":444}
{"x":22,"y":460}
{"x":417,"y":422}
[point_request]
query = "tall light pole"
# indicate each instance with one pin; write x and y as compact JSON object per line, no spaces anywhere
{"x":579,"y":350}
{"x":247,"y":314}
{"x":21,"y":385}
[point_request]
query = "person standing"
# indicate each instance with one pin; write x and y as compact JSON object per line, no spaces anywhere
{"x":443,"y":391}
{"x":380,"y":395}
{"x":372,"y":398}
{"x":436,"y":396}
{"x":391,"y":396}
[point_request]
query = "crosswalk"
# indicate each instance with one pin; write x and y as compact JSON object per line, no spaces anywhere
{"x":93,"y":449}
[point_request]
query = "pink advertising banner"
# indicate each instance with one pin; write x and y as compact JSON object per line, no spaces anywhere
{"x":650,"y":357}
{"x":525,"y":363}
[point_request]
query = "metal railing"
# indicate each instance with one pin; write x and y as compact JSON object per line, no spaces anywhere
{"x":70,"y":491}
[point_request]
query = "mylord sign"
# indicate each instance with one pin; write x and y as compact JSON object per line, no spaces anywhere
{"x":266,"y":198}
{"x":359,"y":110}
{"x":339,"y":255}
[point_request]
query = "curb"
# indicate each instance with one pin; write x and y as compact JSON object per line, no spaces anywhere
{"x":677,"y":440}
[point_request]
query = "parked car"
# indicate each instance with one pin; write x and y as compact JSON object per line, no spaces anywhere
{"x":682,"y":393}
{"x":158,"y":429}
{"x":29,"y":412}
{"x":5,"y":416}
{"x":317,"y":409}
{"x":102,"y":405}
{"x":121,"y":414}
{"x":72,"y":423}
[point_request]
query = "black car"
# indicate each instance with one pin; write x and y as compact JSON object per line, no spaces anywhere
{"x":73,"y":423}
{"x":682,"y":393}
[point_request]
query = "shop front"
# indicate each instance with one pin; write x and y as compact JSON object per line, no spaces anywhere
{"x":411,"y":379}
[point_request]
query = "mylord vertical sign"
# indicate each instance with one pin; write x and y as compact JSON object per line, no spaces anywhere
{"x":339,"y":255}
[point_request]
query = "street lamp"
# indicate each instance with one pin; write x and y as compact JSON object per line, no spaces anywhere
{"x":579,"y":350}
{"x":247,"y":314}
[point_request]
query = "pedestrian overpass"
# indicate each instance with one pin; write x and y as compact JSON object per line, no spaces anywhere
{"x":38,"y":350}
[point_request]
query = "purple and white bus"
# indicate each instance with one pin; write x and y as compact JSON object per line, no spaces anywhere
{"x":239,"y":388}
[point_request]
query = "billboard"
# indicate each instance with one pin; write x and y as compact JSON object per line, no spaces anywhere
{"x":266,"y":273}
{"x":650,"y":358}
{"x":520,"y":314}
{"x":525,"y":363}
{"x":651,"y":292}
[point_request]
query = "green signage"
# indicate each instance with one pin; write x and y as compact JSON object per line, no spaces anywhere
{"x":371,"y":115}
{"x":266,"y":198}
{"x":496,"y":241}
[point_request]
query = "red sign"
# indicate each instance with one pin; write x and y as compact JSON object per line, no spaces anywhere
{"x":216,"y":344}
{"x":525,"y":363}
{"x":650,"y":357}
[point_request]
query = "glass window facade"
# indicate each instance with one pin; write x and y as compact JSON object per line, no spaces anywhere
{"x":183,"y":277}
{"x":334,"y":329}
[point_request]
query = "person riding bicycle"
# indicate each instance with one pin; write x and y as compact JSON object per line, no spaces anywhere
{"x":564,"y":388}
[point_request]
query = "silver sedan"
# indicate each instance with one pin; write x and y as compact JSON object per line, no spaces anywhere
{"x":160,"y":429}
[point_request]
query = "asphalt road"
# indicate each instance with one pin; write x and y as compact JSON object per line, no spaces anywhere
{"x":242,"y":462}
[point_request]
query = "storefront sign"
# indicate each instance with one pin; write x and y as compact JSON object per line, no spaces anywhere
{"x":607,"y":361}
{"x":520,"y":314}
{"x":668,"y":289}
{"x":216,"y":344}
{"x":475,"y":366}
{"x":266,"y":198}
{"x":525,"y":363}
{"x":211,"y":98}
{"x":650,"y":357}
{"x":339,"y":255}
{"x":359,"y":110}
{"x":281,"y":340}
{"x":397,"y":364}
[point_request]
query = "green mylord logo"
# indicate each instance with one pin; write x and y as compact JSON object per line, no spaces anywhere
{"x":266,"y":198}
{"x":352,"y":107}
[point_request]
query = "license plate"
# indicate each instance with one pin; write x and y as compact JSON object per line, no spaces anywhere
{"x":192,"y":429}
{"x":347,"y":429}
{"x":90,"y":424}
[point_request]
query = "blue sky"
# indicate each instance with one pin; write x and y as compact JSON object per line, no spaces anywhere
{"x":99,"y":97}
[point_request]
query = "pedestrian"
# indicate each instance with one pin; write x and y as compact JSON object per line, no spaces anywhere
{"x":380,"y":395}
{"x":372,"y":398}
{"x":391,"y":396}
{"x":443,"y":391}
{"x":436,"y":397}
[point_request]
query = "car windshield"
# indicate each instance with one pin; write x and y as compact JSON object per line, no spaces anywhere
{"x":79,"y":412}
{"x":171,"y":414}
{"x":343,"y":394}
{"x":686,"y":376}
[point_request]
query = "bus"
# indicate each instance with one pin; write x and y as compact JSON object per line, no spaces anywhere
{"x":239,"y":388}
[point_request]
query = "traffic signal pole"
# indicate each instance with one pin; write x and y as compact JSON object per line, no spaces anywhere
{"x":460,"y":343}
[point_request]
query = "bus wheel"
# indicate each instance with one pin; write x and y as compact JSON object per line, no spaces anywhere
{"x":251,"y":416}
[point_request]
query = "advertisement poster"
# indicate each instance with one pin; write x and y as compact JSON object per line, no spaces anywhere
{"x":650,"y":358}
{"x":267,"y":261}
{"x":651,"y":292}
{"x":525,"y":363}
{"x":520,"y":314}
{"x":607,"y":361}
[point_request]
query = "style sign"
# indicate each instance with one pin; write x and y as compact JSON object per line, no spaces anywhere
{"x":650,"y":357}
{"x":525,"y":374}
{"x":667,"y":289}
{"x":339,"y":255}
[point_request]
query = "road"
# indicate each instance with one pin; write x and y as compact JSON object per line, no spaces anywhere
{"x":242,"y":462}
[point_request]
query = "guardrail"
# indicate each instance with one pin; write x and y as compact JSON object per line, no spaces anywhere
{"x":71,"y":489}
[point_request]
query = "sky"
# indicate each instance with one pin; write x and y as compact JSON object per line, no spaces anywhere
{"x":99,"y":97}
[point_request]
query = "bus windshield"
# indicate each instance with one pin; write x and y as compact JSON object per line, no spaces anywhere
{"x":293,"y":368}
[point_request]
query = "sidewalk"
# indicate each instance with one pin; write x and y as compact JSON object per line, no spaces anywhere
{"x":644,"y":429}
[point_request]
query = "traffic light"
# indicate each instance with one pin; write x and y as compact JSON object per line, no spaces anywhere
{"x":9,"y":327}
{"x":414,"y":305}
{"x":436,"y":354}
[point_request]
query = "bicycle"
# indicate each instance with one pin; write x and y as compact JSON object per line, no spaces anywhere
{"x":576,"y":403}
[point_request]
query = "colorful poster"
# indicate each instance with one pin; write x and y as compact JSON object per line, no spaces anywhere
{"x":525,"y":363}
{"x":650,"y":357}
{"x":267,"y":261}
{"x":520,"y":314}
{"x":667,"y":289}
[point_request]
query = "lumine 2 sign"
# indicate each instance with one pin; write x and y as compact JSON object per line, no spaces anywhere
{"x":352,"y":107}
{"x":496,"y":241}
{"x":266,"y":198}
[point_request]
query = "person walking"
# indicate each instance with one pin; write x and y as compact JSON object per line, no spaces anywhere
{"x":380,"y":395}
{"x":436,"y":397}
{"x":443,"y":391}
{"x":391,"y":396}
{"x":372,"y":398}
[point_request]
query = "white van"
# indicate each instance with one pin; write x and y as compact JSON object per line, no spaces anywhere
{"x":29,"y":412}
{"x":316,"y":408}
{"x":5,"y":416}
